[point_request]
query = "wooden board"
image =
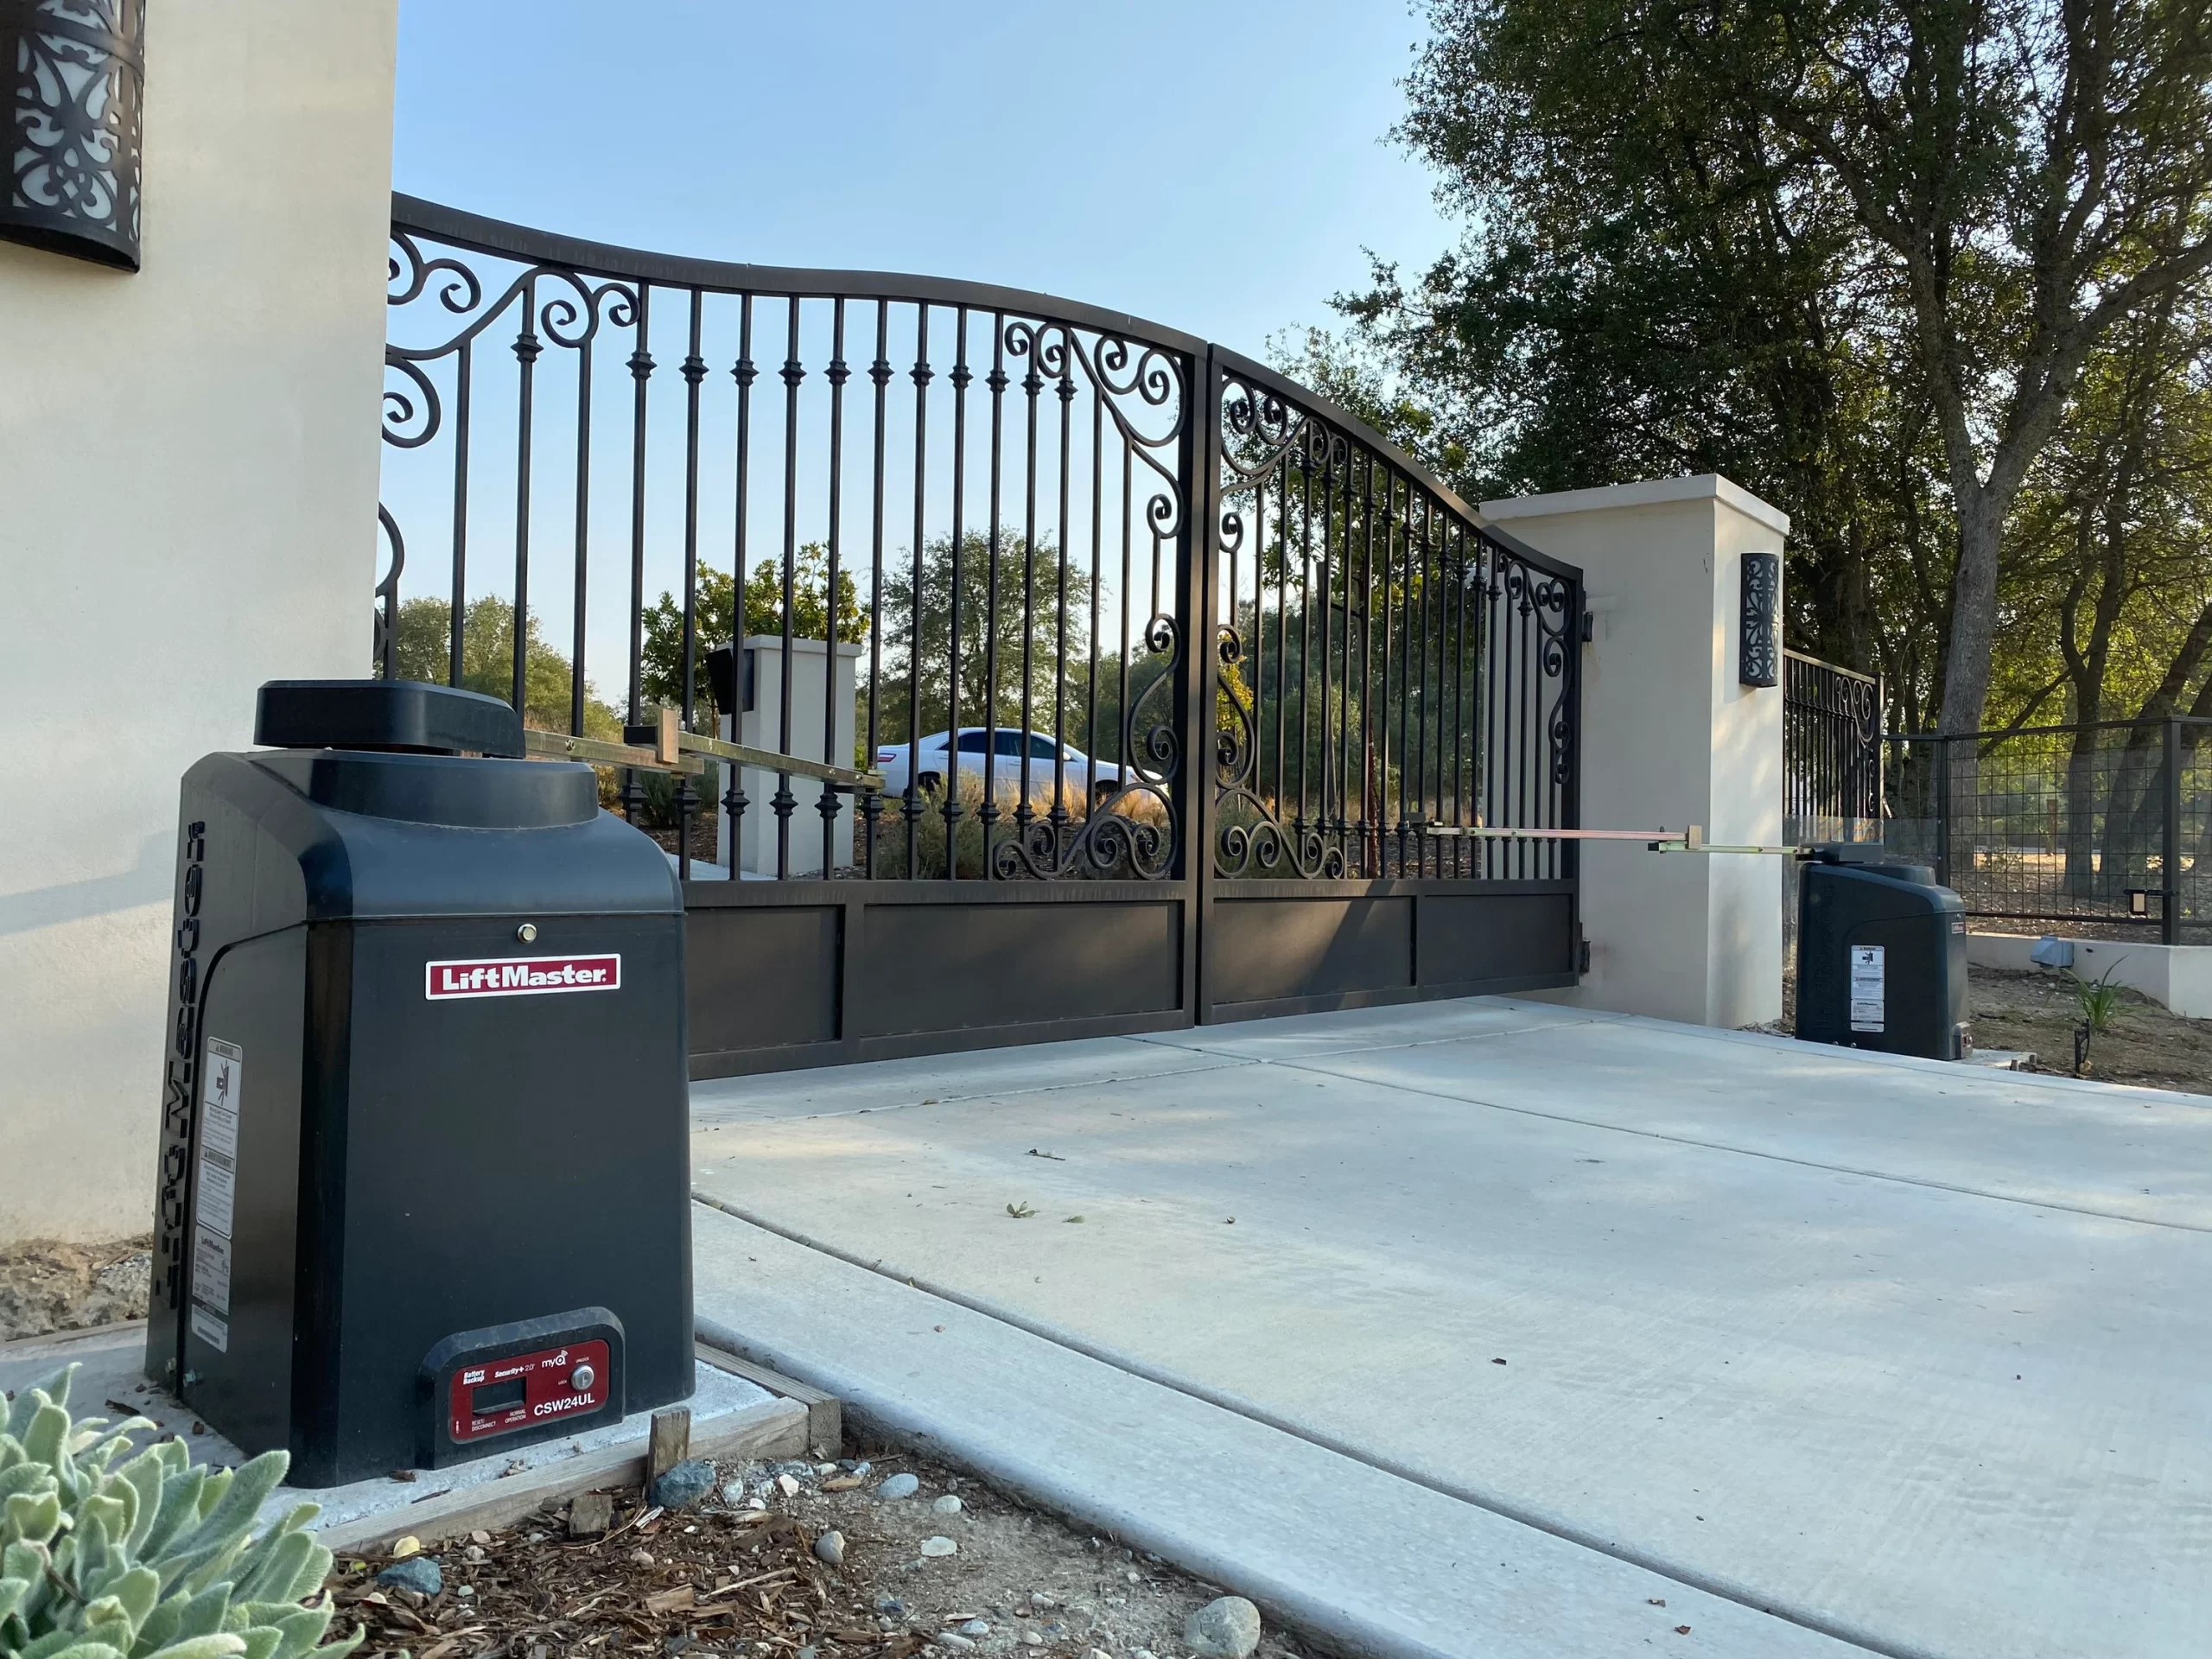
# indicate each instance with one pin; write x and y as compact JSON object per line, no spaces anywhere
{"x":825,"y":1417}
{"x":774,"y":1428}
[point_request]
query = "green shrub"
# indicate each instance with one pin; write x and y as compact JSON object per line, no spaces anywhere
{"x":109,"y":1555}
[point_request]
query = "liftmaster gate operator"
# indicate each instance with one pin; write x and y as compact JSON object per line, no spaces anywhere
{"x":423,"y":1188}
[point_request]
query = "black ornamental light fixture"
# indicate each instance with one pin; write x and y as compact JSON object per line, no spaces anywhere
{"x":1758,"y":660}
{"x":75,"y":73}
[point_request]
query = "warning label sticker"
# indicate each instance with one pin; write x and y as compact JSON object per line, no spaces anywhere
{"x":1868,"y":986}
{"x":215,"y":1205}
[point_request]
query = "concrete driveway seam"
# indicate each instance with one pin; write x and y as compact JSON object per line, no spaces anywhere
{"x":1204,"y":1060}
{"x":2036,"y":1080}
{"x":1754,"y":1152}
{"x":1713,"y":1584}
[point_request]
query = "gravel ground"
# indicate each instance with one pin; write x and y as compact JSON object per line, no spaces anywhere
{"x":744,"y":1573}
{"x":46,"y":1287}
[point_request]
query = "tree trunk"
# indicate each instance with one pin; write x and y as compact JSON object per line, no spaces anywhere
{"x":1974,"y":613}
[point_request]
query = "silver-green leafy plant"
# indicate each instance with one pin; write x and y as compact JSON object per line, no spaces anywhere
{"x":108,"y":1553}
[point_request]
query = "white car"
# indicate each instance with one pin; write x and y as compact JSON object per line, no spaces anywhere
{"x":935,"y":758}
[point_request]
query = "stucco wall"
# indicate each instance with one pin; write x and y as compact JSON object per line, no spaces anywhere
{"x":1670,"y":738}
{"x":188,"y":460}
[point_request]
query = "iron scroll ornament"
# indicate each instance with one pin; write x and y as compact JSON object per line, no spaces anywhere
{"x":76,"y":78}
{"x":1759,"y":659}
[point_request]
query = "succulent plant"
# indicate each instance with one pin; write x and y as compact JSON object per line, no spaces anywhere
{"x":108,"y":1552}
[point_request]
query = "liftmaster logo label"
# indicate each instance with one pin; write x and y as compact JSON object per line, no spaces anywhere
{"x":520,"y":976}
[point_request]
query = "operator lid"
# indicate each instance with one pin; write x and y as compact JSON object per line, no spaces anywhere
{"x":409,"y":715}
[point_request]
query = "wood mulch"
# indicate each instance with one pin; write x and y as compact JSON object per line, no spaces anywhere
{"x":656,"y":1582}
{"x":724,"y":1580}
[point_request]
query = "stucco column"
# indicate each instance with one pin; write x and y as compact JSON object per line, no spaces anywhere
{"x":189,"y":458}
{"x":1671,"y":737}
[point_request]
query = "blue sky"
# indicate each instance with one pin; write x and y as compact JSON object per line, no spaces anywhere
{"x":1217,"y":165}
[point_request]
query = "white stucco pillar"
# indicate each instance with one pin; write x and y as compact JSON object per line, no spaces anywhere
{"x":1671,"y":737}
{"x":189,"y":458}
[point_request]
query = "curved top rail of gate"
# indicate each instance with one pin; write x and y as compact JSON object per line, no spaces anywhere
{"x":974,"y":572}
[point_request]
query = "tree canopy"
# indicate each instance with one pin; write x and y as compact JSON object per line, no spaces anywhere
{"x":1931,"y":275}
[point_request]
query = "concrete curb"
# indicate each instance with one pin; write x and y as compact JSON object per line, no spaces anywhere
{"x":1360,"y":1560}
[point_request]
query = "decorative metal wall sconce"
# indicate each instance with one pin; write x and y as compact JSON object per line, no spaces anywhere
{"x":75,"y":71}
{"x":1759,"y":659}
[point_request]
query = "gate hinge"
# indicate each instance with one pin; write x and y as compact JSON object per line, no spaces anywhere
{"x":1589,"y":626}
{"x":1582,"y":955}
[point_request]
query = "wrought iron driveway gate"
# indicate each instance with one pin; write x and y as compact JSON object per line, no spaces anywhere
{"x":1218,"y":671}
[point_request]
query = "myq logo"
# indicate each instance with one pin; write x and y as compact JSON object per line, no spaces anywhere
{"x":520,"y":976}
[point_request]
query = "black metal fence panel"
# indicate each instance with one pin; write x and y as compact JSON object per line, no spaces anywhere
{"x":1831,"y":750}
{"x":2107,"y":826}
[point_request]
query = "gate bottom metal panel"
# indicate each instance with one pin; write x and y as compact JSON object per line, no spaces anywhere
{"x":795,"y":974}
{"x":1298,"y":947}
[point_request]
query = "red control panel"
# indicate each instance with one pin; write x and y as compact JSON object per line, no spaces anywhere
{"x":500,"y":1396}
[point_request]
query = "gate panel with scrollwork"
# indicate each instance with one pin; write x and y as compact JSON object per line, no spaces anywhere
{"x":1181,"y":684}
{"x":1390,"y":677}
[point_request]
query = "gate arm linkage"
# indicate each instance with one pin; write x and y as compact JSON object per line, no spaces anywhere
{"x":671,"y":748}
{"x":1691,"y":840}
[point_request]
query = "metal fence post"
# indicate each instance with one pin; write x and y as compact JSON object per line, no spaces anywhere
{"x":1198,"y":601}
{"x":1942,"y":811}
{"x":2170,"y":852}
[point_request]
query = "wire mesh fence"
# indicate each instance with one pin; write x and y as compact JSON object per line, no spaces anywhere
{"x":2103,"y":828}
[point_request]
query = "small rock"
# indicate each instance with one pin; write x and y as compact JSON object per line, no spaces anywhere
{"x":947,"y":1506}
{"x":473,"y":1552}
{"x":591,"y":1513}
{"x":825,"y":1468}
{"x":829,"y":1548}
{"x":1226,"y":1629}
{"x":417,"y":1573}
{"x":1141,"y":1653}
{"x":533,"y":1537}
{"x":683,"y":1485}
{"x":787,"y":1486}
{"x":466,"y":1592}
{"x":1100,"y":1653}
{"x":755,"y":1505}
{"x":841,"y":1484}
{"x":977,"y":1627}
{"x":1031,"y":1639}
{"x":899,"y":1486}
{"x":941,"y":1546}
{"x":953,"y":1640}
{"x":402,"y":1548}
{"x":642,"y":1557}
{"x":890,"y":1606}
{"x":1038,"y":1598}
{"x":734,"y":1492}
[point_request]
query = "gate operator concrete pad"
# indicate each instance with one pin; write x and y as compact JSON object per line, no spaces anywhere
{"x":422,"y":1192}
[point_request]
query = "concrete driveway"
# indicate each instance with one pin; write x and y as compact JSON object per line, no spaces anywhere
{"x":1496,"y":1325}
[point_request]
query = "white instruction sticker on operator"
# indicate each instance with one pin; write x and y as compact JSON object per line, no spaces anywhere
{"x":210,"y":1331}
{"x":1868,"y":986}
{"x":211,"y":1269}
{"x":215,"y":1202}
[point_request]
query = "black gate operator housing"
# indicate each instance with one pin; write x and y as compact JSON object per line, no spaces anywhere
{"x":1881,"y":955}
{"x":423,"y":1189}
